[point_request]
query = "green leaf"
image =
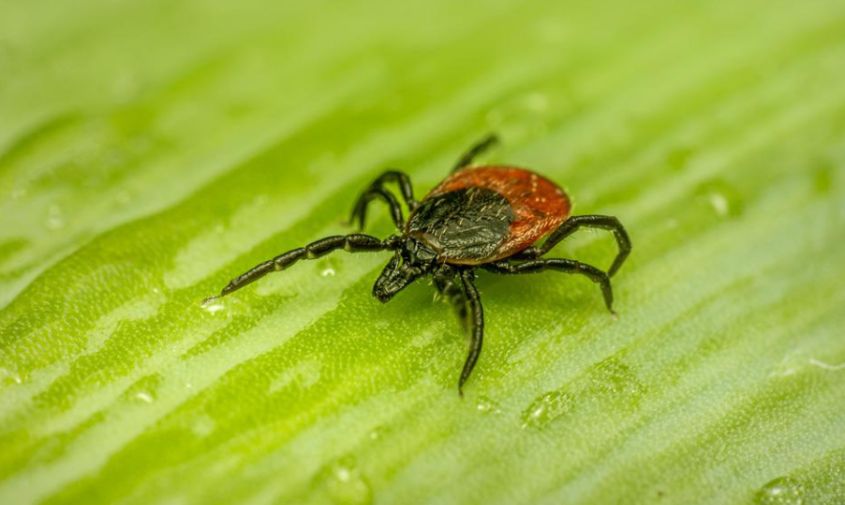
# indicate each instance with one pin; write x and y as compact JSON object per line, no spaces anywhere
{"x":150,"y":151}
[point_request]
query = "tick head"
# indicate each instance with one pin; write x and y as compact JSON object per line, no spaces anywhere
{"x":411,"y":261}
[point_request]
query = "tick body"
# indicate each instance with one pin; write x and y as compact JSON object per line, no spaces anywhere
{"x":488,"y":217}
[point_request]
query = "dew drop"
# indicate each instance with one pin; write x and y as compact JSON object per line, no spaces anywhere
{"x":328,"y":267}
{"x":721,"y":197}
{"x":780,"y":491}
{"x":546,"y":409}
{"x":346,"y":485}
{"x":10,"y":377}
{"x":720,"y":204}
{"x":55,"y":218}
{"x":212,"y":305}
{"x":144,"y":396}
{"x":486,"y":405}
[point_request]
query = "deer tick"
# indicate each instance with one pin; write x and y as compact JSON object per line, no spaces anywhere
{"x":487,"y":217}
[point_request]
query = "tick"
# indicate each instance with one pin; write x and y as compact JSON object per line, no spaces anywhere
{"x":489,"y":217}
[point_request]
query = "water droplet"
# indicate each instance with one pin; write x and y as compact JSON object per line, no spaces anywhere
{"x":720,"y":204}
{"x":10,"y":377}
{"x":375,"y":434}
{"x":780,"y":491}
{"x":609,"y":387}
{"x":547,"y":408}
{"x":346,"y":485}
{"x":328,"y":267}
{"x":144,"y":396}
{"x":486,"y":405}
{"x":721,"y":197}
{"x":212,"y":305}
{"x":55,"y":218}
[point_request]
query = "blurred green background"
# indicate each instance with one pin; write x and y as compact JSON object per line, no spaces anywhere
{"x":149,"y":151}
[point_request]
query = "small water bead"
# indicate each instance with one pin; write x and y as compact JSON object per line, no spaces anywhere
{"x":212,"y":305}
{"x":487,"y":405}
{"x":10,"y":377}
{"x":346,"y":485}
{"x":328,"y":267}
{"x":720,"y":204}
{"x":144,"y":396}
{"x":721,"y":197}
{"x":55,"y":218}
{"x":780,"y":491}
{"x":546,"y":409}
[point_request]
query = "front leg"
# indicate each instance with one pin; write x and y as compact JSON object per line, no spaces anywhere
{"x":476,"y":325}
{"x":356,"y":242}
{"x":376,"y":190}
{"x":560,"y":265}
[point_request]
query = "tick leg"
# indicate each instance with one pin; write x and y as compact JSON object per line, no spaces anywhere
{"x":359,"y":211}
{"x":560,"y":265}
{"x":353,"y":243}
{"x":477,"y":326}
{"x":530,"y":253}
{"x":593,"y":221}
{"x":477,"y":149}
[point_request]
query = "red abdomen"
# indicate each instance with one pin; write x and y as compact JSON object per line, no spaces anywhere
{"x":539,"y":205}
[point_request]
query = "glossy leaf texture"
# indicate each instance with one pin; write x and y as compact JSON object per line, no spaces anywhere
{"x":150,"y":151}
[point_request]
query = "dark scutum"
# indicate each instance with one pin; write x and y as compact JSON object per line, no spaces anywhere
{"x":467,"y":224}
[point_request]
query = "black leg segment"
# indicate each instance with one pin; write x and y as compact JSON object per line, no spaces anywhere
{"x":353,"y":243}
{"x":476,"y":150}
{"x":359,"y":213}
{"x":376,"y":189}
{"x":476,"y":314}
{"x":560,"y":265}
{"x":572,"y":224}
